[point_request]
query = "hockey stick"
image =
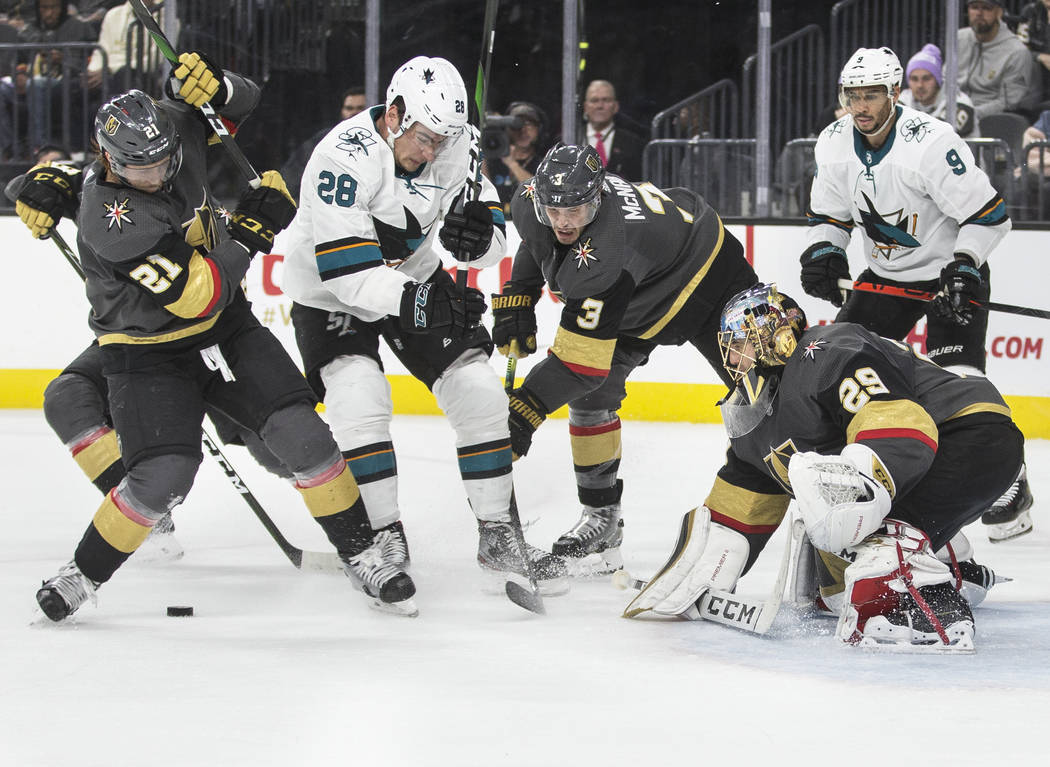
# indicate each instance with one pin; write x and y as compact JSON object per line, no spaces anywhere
{"x":729,"y":609}
{"x":472,"y":190}
{"x":153,"y":28}
{"x":923,"y":295}
{"x":319,"y":561}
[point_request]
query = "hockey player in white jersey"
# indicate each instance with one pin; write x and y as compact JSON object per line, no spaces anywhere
{"x":377,"y":193}
{"x":928,"y":218}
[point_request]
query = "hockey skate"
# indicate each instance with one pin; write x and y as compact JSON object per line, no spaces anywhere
{"x":1009,"y":516}
{"x":389,"y":588}
{"x":500,"y":554}
{"x":160,"y":545}
{"x":944,"y":624}
{"x":396,"y":551}
{"x":61,"y":596}
{"x":592,"y":546}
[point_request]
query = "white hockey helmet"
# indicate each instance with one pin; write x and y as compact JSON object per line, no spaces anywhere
{"x":433,"y":94}
{"x":871,"y":66}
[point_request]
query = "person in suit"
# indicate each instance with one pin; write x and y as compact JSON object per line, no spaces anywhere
{"x":619,"y":148}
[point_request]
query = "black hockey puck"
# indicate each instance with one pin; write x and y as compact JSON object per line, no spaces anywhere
{"x":176,"y":611}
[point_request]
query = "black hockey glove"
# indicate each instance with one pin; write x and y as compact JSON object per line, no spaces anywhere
{"x":960,"y":283}
{"x":198,"y":79}
{"x":467,"y":235}
{"x":49,"y":193}
{"x":514,"y":321}
{"x":823,"y":265}
{"x":262,"y":213}
{"x":525,"y":416}
{"x":437,"y":307}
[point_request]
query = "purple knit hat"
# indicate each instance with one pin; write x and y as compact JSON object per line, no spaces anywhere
{"x":929,"y":58}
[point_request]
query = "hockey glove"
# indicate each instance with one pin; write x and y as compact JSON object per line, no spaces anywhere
{"x":437,"y":307}
{"x":960,"y":283}
{"x":198,"y":79}
{"x":467,"y":235}
{"x":262,"y":213}
{"x":48,"y":195}
{"x":525,"y":416}
{"x":514,"y":321}
{"x":823,"y":265}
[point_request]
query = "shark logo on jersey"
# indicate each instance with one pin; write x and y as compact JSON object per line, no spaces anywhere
{"x":118,"y":213}
{"x":355,"y":140}
{"x":399,"y":243}
{"x":886,"y":236}
{"x":915,"y":129}
{"x":583,"y":253}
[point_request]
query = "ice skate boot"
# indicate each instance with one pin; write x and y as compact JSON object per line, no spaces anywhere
{"x":389,"y":588}
{"x":61,"y":596}
{"x":592,"y":546}
{"x":499,"y":554}
{"x":1009,"y":516}
{"x":397,"y":548}
{"x":160,"y":545}
{"x":945,"y":623}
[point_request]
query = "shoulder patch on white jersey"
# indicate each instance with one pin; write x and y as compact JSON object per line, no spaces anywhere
{"x":356,"y":139}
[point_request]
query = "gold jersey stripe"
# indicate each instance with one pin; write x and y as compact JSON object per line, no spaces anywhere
{"x":594,"y":449}
{"x":160,"y":338}
{"x":982,"y":407}
{"x":116,"y":529}
{"x":336,"y":495}
{"x":575,"y":349}
{"x":99,"y":455}
{"x":745,"y":506}
{"x":892,"y":414}
{"x":198,"y":292}
{"x":690,"y":286}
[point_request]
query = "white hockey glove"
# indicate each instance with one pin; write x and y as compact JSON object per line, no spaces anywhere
{"x":843,"y":498}
{"x":707,"y":555}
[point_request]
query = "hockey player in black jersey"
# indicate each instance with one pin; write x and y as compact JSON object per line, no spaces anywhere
{"x":637,"y":267}
{"x":888,"y":455}
{"x":177,"y":334}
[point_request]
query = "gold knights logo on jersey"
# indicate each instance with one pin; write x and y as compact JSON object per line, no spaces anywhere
{"x":200,"y":232}
{"x":583,"y":253}
{"x":777,"y":461}
{"x":117,"y":213}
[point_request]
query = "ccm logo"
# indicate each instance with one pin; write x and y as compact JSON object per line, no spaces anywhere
{"x":1015,"y":347}
{"x":731,"y":610}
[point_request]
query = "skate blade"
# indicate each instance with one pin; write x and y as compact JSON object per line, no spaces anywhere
{"x":525,"y":598}
{"x":495,"y":582}
{"x":595,"y":565}
{"x":406,"y":608}
{"x":960,"y":643}
{"x":1007,"y":531}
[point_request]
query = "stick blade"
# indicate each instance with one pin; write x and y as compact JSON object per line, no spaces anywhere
{"x":320,"y":562}
{"x":523,"y":597}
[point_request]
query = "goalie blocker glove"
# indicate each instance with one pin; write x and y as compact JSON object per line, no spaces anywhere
{"x":437,"y":307}
{"x":467,"y":234}
{"x":199,"y":80}
{"x":960,"y":283}
{"x":514,"y":321}
{"x":49,"y":193}
{"x":823,"y":265}
{"x":262,"y":213}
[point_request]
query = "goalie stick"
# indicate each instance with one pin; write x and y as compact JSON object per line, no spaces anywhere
{"x":923,"y":295}
{"x":145,"y":18}
{"x":319,"y":561}
{"x":729,"y":609}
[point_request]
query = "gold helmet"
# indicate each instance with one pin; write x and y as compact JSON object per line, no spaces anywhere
{"x":759,"y":326}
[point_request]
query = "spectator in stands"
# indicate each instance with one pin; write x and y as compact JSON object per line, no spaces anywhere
{"x":14,"y":12}
{"x":526,"y":150}
{"x":995,"y":67}
{"x":925,"y":78}
{"x":1033,"y":30}
{"x":94,"y":11}
{"x":619,"y":147}
{"x":52,"y":24}
{"x":351,"y":103}
{"x":114,"y":39}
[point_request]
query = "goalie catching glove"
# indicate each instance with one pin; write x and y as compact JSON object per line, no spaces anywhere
{"x":437,"y":307}
{"x":198,"y":80}
{"x":262,"y":213}
{"x":514,"y":321}
{"x":50,"y":192}
{"x":467,"y":234}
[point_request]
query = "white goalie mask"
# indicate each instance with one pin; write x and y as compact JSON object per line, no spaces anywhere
{"x":433,"y":95}
{"x":871,"y":67}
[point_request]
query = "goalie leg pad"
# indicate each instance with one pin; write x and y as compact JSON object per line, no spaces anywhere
{"x":898,"y":593}
{"x":706,"y":555}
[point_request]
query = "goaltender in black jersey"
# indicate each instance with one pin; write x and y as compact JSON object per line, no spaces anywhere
{"x":888,"y":456}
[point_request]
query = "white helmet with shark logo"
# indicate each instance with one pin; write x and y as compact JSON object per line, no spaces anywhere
{"x":868,"y":67}
{"x":431,"y":93}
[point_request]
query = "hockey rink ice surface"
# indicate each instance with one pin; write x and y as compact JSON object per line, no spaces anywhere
{"x":279,"y":667}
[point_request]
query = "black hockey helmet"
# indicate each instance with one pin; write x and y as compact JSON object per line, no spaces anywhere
{"x":567,"y":177}
{"x":132,"y":132}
